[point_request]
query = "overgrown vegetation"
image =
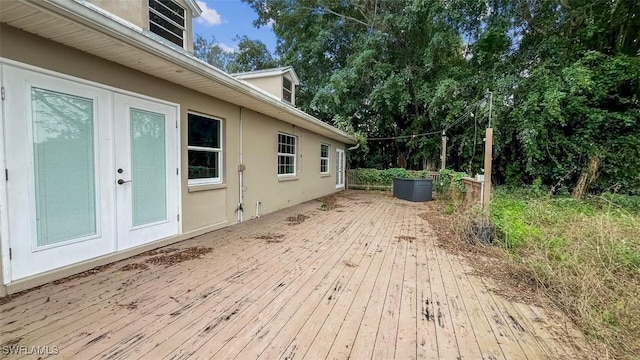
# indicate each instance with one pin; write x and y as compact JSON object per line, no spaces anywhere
{"x":564,"y":77}
{"x":385,"y":177}
{"x":584,"y":255}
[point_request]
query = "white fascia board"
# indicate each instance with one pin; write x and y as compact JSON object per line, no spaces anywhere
{"x":195,"y":8}
{"x":267,"y":73}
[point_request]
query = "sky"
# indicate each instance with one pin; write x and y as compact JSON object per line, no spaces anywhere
{"x":225,"y":19}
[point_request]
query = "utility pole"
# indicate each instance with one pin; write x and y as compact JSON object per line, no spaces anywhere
{"x":488,"y":159}
{"x":443,"y":156}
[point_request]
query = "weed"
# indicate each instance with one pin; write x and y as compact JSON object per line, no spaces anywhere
{"x":329,"y":202}
{"x":585,"y":255}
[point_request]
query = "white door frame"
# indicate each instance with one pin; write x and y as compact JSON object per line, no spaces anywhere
{"x":7,"y":275}
{"x":4,"y":218}
{"x":29,"y":258}
{"x":129,"y":235}
{"x":340,"y":165}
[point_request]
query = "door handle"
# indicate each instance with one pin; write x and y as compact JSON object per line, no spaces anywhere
{"x":121,"y":182}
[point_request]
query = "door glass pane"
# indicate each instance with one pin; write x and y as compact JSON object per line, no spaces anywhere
{"x":64,"y":166}
{"x":148,"y":167}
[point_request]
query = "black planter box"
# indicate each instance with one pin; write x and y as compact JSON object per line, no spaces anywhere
{"x":413,"y":189}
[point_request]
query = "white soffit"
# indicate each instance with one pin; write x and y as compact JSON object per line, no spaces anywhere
{"x":80,"y":25}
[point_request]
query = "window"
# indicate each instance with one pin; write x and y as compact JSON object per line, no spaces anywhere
{"x":166,"y":18}
{"x":287,"y":89}
{"x":324,"y":158}
{"x":205,"y":150}
{"x":286,"y":154}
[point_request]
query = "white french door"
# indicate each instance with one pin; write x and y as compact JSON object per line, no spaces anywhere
{"x":340,"y":162}
{"x":146,"y":170}
{"x":67,"y":146}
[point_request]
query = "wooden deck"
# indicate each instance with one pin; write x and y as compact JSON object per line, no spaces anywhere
{"x":363,"y":281}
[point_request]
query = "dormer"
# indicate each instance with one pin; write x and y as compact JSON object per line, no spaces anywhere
{"x":280,"y":82}
{"x":168,"y":20}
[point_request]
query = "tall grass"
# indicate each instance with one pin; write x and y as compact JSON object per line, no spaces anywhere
{"x":584,"y":254}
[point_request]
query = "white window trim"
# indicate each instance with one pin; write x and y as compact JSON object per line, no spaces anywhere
{"x":289,"y":90}
{"x":206,"y":181}
{"x":183,"y":28}
{"x":294,"y":155}
{"x":327,"y":158}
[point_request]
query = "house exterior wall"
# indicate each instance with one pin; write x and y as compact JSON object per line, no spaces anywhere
{"x":261,"y":165}
{"x":137,"y":12}
{"x":270,"y":84}
{"x":204,"y":208}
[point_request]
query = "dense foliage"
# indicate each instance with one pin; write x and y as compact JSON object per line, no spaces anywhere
{"x":385,"y":177}
{"x":250,"y":54}
{"x":584,"y":254}
{"x":565,"y":78}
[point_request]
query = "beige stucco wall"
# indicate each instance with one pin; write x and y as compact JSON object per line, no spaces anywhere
{"x":261,"y":175}
{"x":273,"y":85}
{"x":202,"y":210}
{"x":137,"y":12}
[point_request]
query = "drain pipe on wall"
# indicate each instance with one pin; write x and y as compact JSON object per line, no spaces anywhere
{"x":239,"y":210}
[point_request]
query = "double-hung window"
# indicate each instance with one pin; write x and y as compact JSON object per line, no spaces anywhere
{"x":287,"y":90}
{"x":286,"y":154}
{"x":205,"y":149}
{"x":324,"y":159}
{"x":167,"y":19}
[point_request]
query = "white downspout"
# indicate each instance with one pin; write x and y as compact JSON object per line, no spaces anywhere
{"x":240,"y":172}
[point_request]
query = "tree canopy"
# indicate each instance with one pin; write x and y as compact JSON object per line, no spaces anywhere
{"x":565,"y":78}
{"x":250,"y":54}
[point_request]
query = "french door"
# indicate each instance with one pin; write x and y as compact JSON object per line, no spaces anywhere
{"x":340,"y":161}
{"x":90,"y":171}
{"x":146,"y":171}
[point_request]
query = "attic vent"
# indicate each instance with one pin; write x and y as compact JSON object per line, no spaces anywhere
{"x":166,"y":18}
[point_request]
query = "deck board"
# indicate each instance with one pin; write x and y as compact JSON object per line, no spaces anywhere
{"x":365,"y":280}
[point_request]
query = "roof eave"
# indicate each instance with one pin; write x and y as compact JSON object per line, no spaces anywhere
{"x":85,"y":15}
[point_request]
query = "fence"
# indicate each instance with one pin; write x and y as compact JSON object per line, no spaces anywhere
{"x":383,"y":178}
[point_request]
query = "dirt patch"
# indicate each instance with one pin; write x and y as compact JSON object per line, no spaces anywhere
{"x":84,"y":274}
{"x":156,"y":252}
{"x":9,"y":298}
{"x":349,"y":263}
{"x":130,"y":306}
{"x":329,"y":202}
{"x":296,"y":220}
{"x":134,"y":266}
{"x":517,"y":284}
{"x":271,"y":238}
{"x":405,"y":238}
{"x":171,"y":258}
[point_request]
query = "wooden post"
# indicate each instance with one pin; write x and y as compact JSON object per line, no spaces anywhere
{"x":488,"y":154}
{"x":443,"y":156}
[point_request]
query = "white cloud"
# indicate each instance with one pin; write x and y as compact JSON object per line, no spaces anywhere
{"x":226,"y":48}
{"x":209,"y":16}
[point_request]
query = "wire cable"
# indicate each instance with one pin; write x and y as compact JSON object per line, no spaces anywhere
{"x":454,"y":123}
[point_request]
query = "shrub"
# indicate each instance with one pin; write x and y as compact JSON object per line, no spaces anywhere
{"x":385,"y":177}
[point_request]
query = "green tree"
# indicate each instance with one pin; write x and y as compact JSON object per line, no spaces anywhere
{"x":250,"y":54}
{"x":564,"y":76}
